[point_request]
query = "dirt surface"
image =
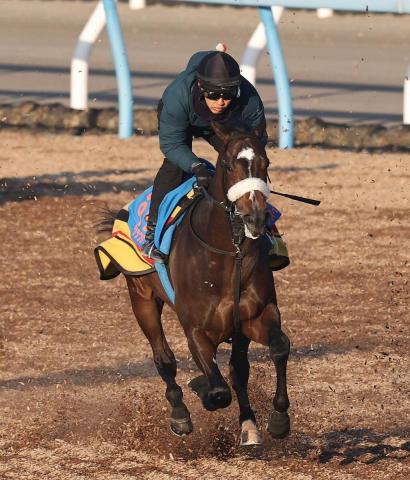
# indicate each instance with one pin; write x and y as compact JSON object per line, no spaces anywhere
{"x":80,"y":397}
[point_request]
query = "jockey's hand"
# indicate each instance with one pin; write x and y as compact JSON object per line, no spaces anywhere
{"x":203,"y":175}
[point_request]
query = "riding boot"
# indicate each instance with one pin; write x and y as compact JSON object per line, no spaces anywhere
{"x":278,"y":250}
{"x":148,"y":248}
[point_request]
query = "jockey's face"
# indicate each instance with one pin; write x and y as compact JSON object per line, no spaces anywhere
{"x":217,"y":106}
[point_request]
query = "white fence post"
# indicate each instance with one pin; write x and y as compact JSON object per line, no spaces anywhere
{"x":79,"y":62}
{"x":324,"y":12}
{"x":255,"y":47}
{"x":137,"y":4}
{"x":406,"y":99}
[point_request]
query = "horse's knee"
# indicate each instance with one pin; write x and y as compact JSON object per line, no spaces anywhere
{"x":279,"y":346}
{"x":174,"y":395}
{"x":166,"y":365}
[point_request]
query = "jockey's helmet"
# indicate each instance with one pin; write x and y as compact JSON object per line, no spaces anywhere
{"x":218,"y":71}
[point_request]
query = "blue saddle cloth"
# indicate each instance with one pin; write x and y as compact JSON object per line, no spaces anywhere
{"x":138,"y":215}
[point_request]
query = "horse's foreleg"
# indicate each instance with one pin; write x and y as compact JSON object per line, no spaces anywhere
{"x":147,"y":311}
{"x":239,"y":370}
{"x":279,"y":347}
{"x":211,"y":387}
{"x":267,"y":331}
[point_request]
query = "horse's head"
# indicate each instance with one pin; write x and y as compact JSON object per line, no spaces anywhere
{"x":244,"y":166}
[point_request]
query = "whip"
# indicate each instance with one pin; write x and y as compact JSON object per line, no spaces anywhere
{"x":310,"y":201}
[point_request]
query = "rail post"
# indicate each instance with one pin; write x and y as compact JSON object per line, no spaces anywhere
{"x":79,"y":62}
{"x":254,"y":48}
{"x":122,"y":70}
{"x":406,"y":99}
{"x":281,"y":79}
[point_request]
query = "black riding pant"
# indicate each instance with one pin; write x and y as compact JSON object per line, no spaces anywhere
{"x":169,"y":176}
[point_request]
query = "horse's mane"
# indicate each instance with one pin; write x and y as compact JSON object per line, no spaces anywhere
{"x":238,"y":129}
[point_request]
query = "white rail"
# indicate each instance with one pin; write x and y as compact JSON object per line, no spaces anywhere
{"x":406,"y":99}
{"x":137,"y":4}
{"x":255,"y":47}
{"x":324,"y":12}
{"x":79,"y":62}
{"x":257,"y":43}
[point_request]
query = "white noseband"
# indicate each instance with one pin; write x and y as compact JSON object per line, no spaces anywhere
{"x":247,"y":185}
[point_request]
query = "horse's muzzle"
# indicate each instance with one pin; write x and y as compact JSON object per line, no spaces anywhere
{"x":255,"y":223}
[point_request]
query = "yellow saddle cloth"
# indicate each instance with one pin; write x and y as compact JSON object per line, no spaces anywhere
{"x":119,"y":254}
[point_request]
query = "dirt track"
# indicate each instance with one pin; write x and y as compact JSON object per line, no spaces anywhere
{"x":80,"y":397}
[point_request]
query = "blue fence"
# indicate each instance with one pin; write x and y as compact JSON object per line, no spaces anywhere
{"x":284,"y":97}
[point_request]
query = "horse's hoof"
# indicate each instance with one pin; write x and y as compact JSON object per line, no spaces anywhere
{"x":181,"y":426}
{"x":279,"y":424}
{"x":199,"y":386}
{"x":250,"y":436}
{"x":212,"y":399}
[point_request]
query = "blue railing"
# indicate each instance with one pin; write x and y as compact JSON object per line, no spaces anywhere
{"x":273,"y":42}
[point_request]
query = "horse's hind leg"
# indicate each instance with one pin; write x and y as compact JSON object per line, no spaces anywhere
{"x":267,"y":331}
{"x":239,"y":369}
{"x":147,"y":310}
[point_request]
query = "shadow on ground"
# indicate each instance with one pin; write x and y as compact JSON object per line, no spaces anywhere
{"x":89,"y":182}
{"x":69,"y":183}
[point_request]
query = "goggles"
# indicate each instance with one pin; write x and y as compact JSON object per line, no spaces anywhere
{"x":226,"y":94}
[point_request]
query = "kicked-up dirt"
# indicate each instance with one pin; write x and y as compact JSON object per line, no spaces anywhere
{"x":79,"y":394}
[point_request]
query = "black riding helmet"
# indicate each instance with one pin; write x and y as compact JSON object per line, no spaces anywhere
{"x":217,"y":71}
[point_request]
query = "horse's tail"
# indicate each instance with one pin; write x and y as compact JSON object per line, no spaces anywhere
{"x":107,"y":219}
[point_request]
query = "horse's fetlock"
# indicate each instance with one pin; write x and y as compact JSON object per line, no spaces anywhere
{"x":281,"y":403}
{"x":180,"y":412}
{"x":247,"y":414}
{"x":174,"y":395}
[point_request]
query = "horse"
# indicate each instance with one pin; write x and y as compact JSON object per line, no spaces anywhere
{"x":224,"y":290}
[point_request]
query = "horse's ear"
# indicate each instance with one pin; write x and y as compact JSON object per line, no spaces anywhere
{"x":221,"y":131}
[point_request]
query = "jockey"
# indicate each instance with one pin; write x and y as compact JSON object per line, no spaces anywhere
{"x":210,"y":88}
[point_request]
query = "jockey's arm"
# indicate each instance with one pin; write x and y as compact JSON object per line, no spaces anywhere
{"x":174,"y":136}
{"x":257,"y":121}
{"x":254,"y":112}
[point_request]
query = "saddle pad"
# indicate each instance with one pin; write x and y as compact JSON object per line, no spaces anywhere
{"x":122,"y":252}
{"x":119,"y":254}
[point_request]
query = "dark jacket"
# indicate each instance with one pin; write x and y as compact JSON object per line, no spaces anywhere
{"x":179,"y":122}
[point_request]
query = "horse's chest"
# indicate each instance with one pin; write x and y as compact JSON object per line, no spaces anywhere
{"x":250,"y":306}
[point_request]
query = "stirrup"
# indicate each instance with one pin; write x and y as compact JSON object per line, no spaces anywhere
{"x":151,"y":251}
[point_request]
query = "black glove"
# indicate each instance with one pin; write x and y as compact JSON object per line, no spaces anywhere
{"x":203,"y":175}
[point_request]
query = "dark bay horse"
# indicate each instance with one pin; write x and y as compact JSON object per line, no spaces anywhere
{"x":203,"y":268}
